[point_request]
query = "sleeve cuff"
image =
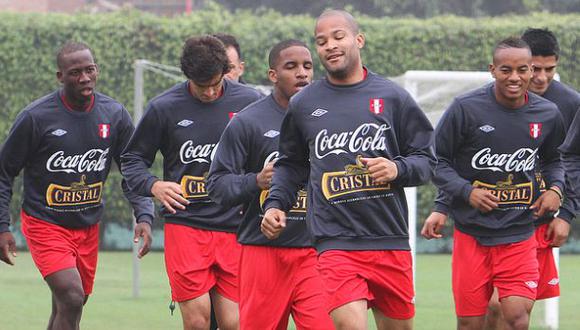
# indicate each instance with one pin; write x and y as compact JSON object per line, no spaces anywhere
{"x":150,"y":182}
{"x":4,"y":227}
{"x":146,"y":218}
{"x":441,"y":208}
{"x":401,"y":170}
{"x":565,"y":215}
{"x":272,"y":204}
{"x":252,"y":183}
{"x":466,"y":192}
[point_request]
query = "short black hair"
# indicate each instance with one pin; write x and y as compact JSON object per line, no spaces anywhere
{"x":229,"y":41}
{"x":70,"y":47}
{"x":542,"y":42}
{"x":204,"y":58}
{"x":510,"y":42}
{"x":274,"y":55}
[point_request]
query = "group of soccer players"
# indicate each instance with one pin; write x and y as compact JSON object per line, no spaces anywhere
{"x":293,"y":203}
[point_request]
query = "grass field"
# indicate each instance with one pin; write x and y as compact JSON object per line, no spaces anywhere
{"x":25,"y":299}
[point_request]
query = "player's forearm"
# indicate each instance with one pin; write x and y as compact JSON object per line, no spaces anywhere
{"x":288,"y":178}
{"x":143,"y":207}
{"x":231,"y":189}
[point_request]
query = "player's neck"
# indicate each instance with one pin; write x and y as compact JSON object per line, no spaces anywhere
{"x":511,"y":103}
{"x":280,"y":99}
{"x":357,"y":75}
{"x":73,"y":104}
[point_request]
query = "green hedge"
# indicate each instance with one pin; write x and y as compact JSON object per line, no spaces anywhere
{"x":28,"y":44}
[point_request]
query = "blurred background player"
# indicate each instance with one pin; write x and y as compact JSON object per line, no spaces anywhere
{"x":185,"y":124}
{"x":277,"y":277}
{"x":360,"y":139}
{"x":66,"y":142}
{"x":234,"y":55}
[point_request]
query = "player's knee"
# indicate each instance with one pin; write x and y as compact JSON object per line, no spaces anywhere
{"x":518,"y":321}
{"x":196,"y":322}
{"x":71,"y":300}
{"x":348,"y":324}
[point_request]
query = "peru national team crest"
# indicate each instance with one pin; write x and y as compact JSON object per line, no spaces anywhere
{"x":231,"y":115}
{"x":376,"y":106}
{"x":104,"y":130}
{"x":535,"y":130}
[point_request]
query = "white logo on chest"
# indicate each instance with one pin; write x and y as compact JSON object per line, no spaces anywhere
{"x":94,"y":160}
{"x":204,"y":153}
{"x":366,"y":137}
{"x":521,"y":160}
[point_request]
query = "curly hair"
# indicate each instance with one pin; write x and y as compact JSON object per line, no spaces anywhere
{"x":203,"y":59}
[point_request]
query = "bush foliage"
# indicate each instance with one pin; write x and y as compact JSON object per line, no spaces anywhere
{"x":28,"y":44}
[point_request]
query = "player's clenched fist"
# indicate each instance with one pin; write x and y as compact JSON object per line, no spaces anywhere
{"x":382,"y":170}
{"x":169,"y":194}
{"x":273,"y":223}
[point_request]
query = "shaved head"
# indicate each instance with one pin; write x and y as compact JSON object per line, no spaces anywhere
{"x":344,"y":14}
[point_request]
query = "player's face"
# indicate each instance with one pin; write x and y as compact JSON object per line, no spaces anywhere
{"x":236,"y":65}
{"x":207,"y":91}
{"x":338,"y":46}
{"x":293,"y":70}
{"x":78,"y":75}
{"x":544,"y":68}
{"x":512,"y":70}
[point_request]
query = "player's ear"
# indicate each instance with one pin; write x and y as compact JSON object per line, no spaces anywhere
{"x":59,"y":76}
{"x":273,"y":76}
{"x":492,"y":70}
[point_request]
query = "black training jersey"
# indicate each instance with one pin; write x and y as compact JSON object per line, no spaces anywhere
{"x":249,"y":142}
{"x":325,"y":132}
{"x":568,"y":102}
{"x":571,"y":157}
{"x":186,"y":131}
{"x":66,"y":157}
{"x":481,"y":144}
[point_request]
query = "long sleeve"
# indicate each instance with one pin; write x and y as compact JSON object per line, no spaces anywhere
{"x":21,"y":141}
{"x":570,"y":153}
{"x":550,"y":164}
{"x":448,"y":135}
{"x":140,"y":153}
{"x":228,"y":183}
{"x":292,"y":168}
{"x":143,"y":208}
{"x":417,"y":161}
{"x":442,"y":203}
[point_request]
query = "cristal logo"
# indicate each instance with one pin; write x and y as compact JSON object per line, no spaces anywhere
{"x":271,"y":157}
{"x":521,"y":160}
{"x":93,"y":160}
{"x":366,"y":137}
{"x":190,"y":153}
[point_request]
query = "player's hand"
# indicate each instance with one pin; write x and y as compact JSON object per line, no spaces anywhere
{"x":557,"y":232}
{"x":433,"y":225}
{"x":273,"y":223}
{"x":7,"y":248}
{"x":382,"y":170}
{"x":483,"y":200}
{"x":548,"y":202}
{"x":264,"y":178}
{"x":169,"y":194}
{"x":143,"y":230}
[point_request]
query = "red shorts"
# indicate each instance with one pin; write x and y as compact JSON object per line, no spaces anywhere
{"x":549,"y":283}
{"x":477,"y":269}
{"x":196,"y":260}
{"x":54,"y":248}
{"x":384,"y":278}
{"x":276,"y":282}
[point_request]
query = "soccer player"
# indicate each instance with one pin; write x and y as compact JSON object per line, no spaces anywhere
{"x":550,"y":232}
{"x":359,"y":139}
{"x":490,"y":144}
{"x":65,"y":142}
{"x":277,"y":277}
{"x":185,"y":124}
{"x":234,"y":55}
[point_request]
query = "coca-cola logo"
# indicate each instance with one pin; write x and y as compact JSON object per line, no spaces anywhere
{"x":366,"y":137}
{"x":271,"y":157}
{"x":521,"y":160}
{"x":201,"y":153}
{"x":94,"y":160}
